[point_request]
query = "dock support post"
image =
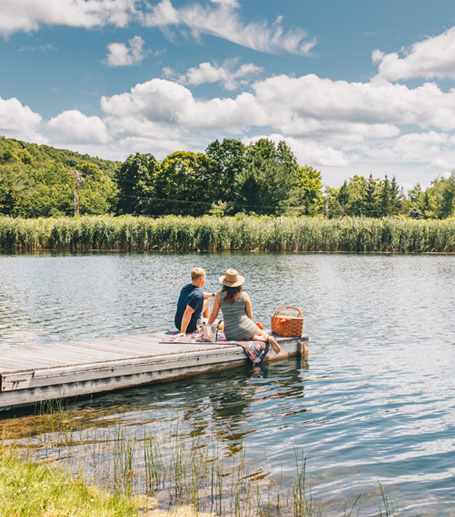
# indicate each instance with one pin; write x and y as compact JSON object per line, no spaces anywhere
{"x":303,"y":349}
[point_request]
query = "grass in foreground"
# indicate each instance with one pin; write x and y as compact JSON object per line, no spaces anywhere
{"x":31,"y":489}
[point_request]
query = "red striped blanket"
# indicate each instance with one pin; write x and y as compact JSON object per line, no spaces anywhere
{"x":255,"y":350}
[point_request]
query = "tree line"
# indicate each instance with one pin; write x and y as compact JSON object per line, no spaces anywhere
{"x":228,"y":178}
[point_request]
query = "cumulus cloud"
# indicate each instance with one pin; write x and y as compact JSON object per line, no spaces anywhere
{"x":432,"y":58}
{"x":442,"y":165}
{"x":323,"y":102}
{"x":418,"y":146}
{"x":226,"y":74}
{"x":173,"y":104}
{"x":74,"y":127}
{"x":17,"y":120}
{"x":162,"y":14}
{"x":223,"y":21}
{"x":334,"y":113}
{"x":122,"y":55}
{"x":29,"y":15}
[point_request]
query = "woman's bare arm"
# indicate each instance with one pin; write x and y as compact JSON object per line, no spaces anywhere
{"x":216,"y":309}
{"x":248,"y":309}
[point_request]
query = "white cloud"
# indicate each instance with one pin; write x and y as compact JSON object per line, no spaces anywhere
{"x":442,"y":165}
{"x":42,"y":48}
{"x":327,"y":123}
{"x":227,"y":3}
{"x":74,"y":127}
{"x":208,"y":73}
{"x":162,"y":14}
{"x":122,"y":55}
{"x":222,"y":20}
{"x":170,"y":103}
{"x":431,"y":58}
{"x":325,"y":104}
{"x":17,"y":120}
{"x":420,"y":146}
{"x":29,"y":15}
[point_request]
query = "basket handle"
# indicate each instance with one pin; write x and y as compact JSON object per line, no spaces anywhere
{"x":277,"y":311}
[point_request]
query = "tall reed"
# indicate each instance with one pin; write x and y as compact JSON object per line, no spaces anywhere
{"x":239,"y":233}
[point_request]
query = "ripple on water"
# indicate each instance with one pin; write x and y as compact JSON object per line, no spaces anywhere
{"x":373,"y":404}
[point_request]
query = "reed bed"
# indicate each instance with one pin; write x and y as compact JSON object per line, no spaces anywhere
{"x":173,"y":471}
{"x":238,"y":233}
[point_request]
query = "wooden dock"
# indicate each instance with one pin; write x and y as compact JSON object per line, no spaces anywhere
{"x":35,"y":373}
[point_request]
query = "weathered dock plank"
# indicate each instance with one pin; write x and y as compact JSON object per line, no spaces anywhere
{"x":35,"y":373}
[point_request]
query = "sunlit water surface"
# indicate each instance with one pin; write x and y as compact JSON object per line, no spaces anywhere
{"x":375,"y":403}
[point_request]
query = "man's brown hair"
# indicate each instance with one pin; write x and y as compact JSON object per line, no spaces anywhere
{"x":197,"y":273}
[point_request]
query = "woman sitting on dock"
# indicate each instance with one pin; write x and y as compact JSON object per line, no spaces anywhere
{"x":238,"y":315}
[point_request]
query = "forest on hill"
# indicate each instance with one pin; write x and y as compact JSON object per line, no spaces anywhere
{"x":262,"y":178}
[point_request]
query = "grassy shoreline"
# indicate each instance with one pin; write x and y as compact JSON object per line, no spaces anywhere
{"x":239,"y":233}
{"x":59,"y":463}
{"x":30,"y":489}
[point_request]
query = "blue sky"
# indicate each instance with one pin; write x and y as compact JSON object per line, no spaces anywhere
{"x":353,"y":87}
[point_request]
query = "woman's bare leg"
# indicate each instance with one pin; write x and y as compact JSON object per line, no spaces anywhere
{"x":276,"y":347}
{"x":263,"y":336}
{"x":260,"y":337}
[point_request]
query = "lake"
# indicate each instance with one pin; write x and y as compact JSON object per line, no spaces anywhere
{"x":374,"y":404}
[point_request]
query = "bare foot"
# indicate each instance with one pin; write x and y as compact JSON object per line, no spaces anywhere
{"x":276,"y":347}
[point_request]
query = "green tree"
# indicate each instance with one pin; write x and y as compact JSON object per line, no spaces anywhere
{"x":51,"y":193}
{"x":417,"y":198}
{"x":443,"y":193}
{"x":135,"y":180}
{"x":10,"y":201}
{"x":415,"y":213}
{"x":428,"y":205}
{"x":342,"y":198}
{"x":370,"y":197}
{"x":385,"y":198}
{"x":36,"y":180}
{"x":307,"y":197}
{"x":183,"y":184}
{"x":98,"y":192}
{"x":268,"y":178}
{"x":355,"y":190}
{"x":396,"y":197}
{"x":334,"y":206}
{"x":226,"y":162}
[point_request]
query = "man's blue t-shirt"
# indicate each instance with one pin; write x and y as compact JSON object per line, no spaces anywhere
{"x":194,"y":297}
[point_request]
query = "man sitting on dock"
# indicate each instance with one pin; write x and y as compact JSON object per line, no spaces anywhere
{"x":193,"y":303}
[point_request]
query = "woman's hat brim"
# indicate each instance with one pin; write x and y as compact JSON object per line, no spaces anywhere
{"x":240,"y":281}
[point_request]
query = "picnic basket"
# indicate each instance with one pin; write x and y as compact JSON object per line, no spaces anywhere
{"x":287,"y":322}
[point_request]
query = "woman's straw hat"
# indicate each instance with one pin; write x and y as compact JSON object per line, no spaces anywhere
{"x":232,"y":278}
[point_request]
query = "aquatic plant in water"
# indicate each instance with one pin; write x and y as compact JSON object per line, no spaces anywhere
{"x":166,"y":470}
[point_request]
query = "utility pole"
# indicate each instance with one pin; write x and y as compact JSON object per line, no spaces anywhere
{"x":79,"y":178}
{"x":327,"y":211}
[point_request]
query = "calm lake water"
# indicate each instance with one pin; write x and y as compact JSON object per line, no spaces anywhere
{"x":375,"y":403}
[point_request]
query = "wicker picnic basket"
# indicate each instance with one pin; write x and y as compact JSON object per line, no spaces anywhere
{"x":287,"y":322}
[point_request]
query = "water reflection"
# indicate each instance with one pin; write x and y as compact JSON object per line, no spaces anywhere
{"x":373,"y":403}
